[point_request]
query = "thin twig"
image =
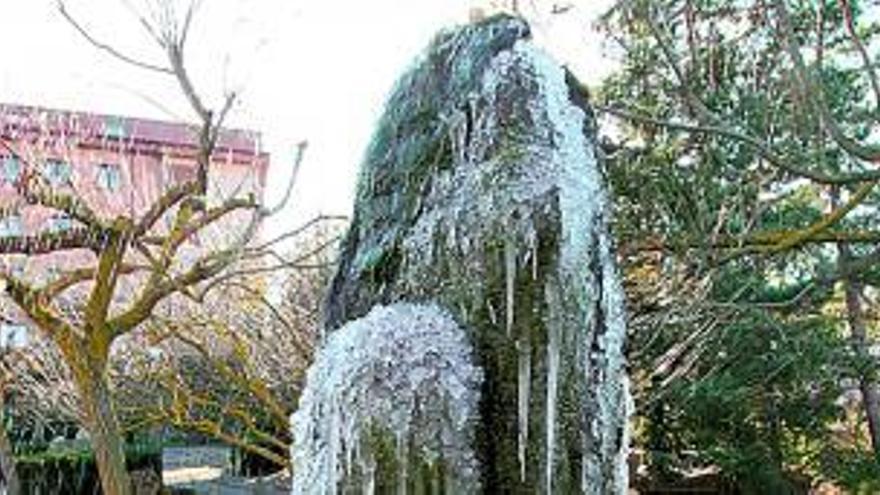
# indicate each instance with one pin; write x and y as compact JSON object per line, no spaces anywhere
{"x":108,"y":48}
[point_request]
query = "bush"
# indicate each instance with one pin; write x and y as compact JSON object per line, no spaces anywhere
{"x":72,"y":470}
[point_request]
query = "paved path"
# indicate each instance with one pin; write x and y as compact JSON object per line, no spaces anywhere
{"x":206,"y":470}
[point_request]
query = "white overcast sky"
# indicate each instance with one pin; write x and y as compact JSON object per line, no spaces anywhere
{"x":314,"y":70}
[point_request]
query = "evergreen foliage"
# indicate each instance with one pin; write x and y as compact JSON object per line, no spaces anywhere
{"x":742,"y":143}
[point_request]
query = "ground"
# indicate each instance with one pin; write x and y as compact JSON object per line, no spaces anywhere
{"x":205,"y":469}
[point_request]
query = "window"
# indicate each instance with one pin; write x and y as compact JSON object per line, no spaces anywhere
{"x":10,"y":225}
{"x":11,"y":169}
{"x":57,"y":172}
{"x":181,"y":173}
{"x":13,"y":336}
{"x":114,"y":127}
{"x":18,"y":266}
{"x":109,"y":177}
{"x":59,"y":223}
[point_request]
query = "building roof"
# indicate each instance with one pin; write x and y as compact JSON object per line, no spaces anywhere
{"x":18,"y":119}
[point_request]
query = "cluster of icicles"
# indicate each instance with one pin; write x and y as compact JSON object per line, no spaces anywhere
{"x":402,"y":370}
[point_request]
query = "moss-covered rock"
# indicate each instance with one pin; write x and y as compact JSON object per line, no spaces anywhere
{"x":481,"y":192}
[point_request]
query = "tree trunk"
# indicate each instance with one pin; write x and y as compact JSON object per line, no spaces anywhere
{"x":859,"y":341}
{"x":103,"y":426}
{"x":7,"y":461}
{"x":858,"y":338}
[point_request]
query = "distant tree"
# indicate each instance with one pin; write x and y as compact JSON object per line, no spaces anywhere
{"x":744,"y":164}
{"x":35,"y":390}
{"x":232,"y":367}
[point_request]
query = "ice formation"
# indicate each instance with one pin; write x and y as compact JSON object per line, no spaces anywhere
{"x":482,"y":192}
{"x":523,"y":384}
{"x":403,"y":371}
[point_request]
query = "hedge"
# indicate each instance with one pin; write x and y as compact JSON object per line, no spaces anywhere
{"x":73,"y":470}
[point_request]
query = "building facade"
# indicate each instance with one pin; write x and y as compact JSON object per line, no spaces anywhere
{"x":117,"y":165}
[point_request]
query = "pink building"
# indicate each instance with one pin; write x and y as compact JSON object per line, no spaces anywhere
{"x":118,"y":165}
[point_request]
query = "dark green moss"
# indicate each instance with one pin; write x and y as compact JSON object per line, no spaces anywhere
{"x":422,"y":475}
{"x":382,"y":268}
{"x":498,"y":355}
{"x":411,"y":145}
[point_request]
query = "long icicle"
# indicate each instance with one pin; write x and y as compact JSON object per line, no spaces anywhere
{"x":510,"y":281}
{"x":552,"y":384}
{"x":523,"y":391}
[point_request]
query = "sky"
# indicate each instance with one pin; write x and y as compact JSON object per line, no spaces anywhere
{"x":313,"y":70}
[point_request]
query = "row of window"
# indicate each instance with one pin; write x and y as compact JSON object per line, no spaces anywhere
{"x":11,"y":225}
{"x":45,"y":273}
{"x":59,"y":172}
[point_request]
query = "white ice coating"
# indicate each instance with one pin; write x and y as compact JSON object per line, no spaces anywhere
{"x":404,"y":369}
{"x":583,"y":204}
{"x":511,"y":183}
{"x":552,"y":156}
{"x":612,"y":344}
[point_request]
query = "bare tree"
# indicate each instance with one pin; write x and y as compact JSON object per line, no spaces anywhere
{"x":139,"y":263}
{"x":232,"y":367}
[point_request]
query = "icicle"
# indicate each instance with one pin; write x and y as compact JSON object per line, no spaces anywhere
{"x":552,"y":383}
{"x":449,"y":484}
{"x":333,"y":448}
{"x":427,"y":382}
{"x":435,"y":482}
{"x":402,"y":458}
{"x":510,"y":280}
{"x":493,"y":317}
{"x":534,"y":249}
{"x":368,"y":468}
{"x":350,"y":447}
{"x":524,"y":383}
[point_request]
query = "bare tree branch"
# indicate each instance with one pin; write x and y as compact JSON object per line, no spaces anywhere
{"x":758,"y":145}
{"x":108,"y":48}
{"x":867,"y":66}
{"x":297,"y":162}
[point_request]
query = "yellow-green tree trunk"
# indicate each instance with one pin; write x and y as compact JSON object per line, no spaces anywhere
{"x":100,"y":420}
